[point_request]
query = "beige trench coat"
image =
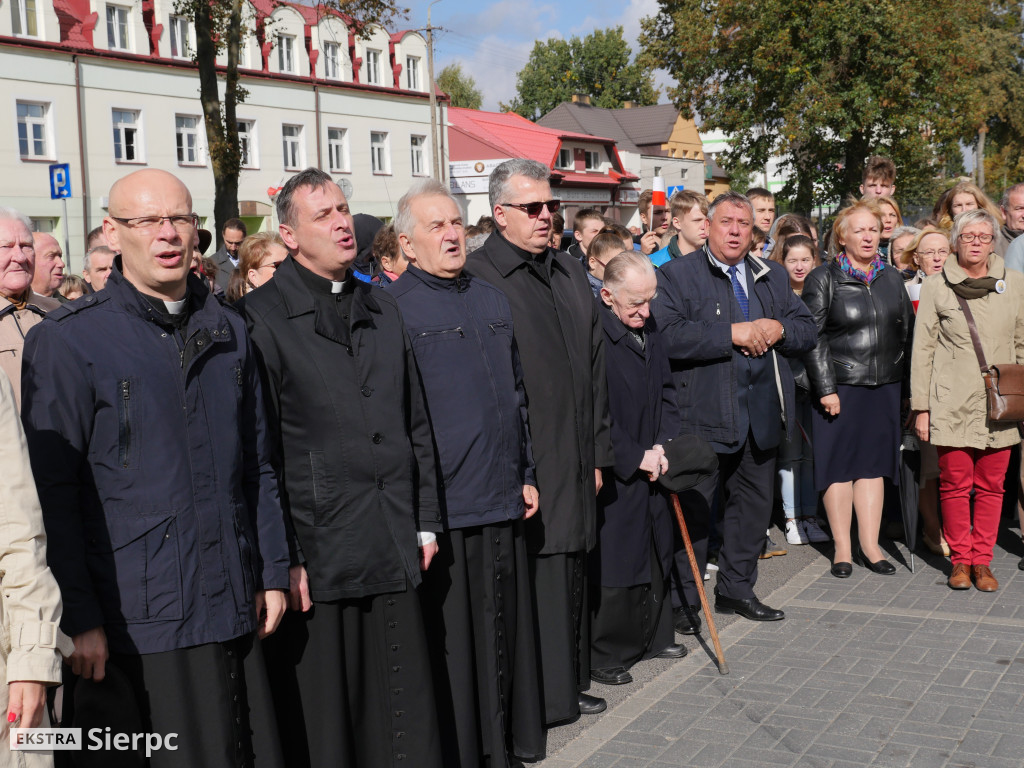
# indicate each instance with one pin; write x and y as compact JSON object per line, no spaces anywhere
{"x":945,"y":377}
{"x":14,"y":325}
{"x":31,"y":644}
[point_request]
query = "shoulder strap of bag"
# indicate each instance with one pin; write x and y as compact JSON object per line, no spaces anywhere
{"x":974,"y":335}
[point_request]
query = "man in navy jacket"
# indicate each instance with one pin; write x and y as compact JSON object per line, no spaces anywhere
{"x":145,"y":423}
{"x":729,"y":320}
{"x":476,"y":594}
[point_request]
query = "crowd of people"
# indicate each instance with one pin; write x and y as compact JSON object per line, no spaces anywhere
{"x":368,"y":494}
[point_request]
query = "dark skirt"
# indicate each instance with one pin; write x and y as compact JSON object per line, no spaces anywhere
{"x":863,"y":441}
{"x":562,"y":621}
{"x":631,"y":623}
{"x":215,"y":697}
{"x":479,"y":619}
{"x":352,"y":684}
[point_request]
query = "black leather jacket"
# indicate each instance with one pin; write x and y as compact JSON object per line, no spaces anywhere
{"x":864,"y":331}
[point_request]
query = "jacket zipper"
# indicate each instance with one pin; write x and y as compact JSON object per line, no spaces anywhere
{"x":439,"y":333}
{"x":126,"y":423}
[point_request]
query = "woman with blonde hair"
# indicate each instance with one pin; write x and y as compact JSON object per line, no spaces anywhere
{"x":864,"y":316}
{"x":259,"y":257}
{"x":966,"y":196}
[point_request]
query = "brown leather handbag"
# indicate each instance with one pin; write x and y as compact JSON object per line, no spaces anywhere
{"x":1004,"y":384}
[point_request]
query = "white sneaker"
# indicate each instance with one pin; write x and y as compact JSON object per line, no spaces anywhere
{"x":794,"y":532}
{"x":813,"y":531}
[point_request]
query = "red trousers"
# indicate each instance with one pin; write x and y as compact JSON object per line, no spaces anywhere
{"x":960,"y":471}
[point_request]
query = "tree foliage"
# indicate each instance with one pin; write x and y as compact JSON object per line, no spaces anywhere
{"x":460,"y":87}
{"x":597,"y":65}
{"x":221,"y":26}
{"x":828,"y":84}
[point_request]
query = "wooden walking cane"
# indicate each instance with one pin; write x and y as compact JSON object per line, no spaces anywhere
{"x":698,"y":577}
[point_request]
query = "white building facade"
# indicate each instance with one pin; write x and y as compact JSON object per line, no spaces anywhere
{"x":110,"y":88}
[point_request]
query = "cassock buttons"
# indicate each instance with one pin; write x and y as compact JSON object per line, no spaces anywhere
{"x":377,"y":437}
{"x":367,"y":391}
{"x":380,"y":483}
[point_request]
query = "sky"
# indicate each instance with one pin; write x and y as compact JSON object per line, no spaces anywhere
{"x":493,"y":38}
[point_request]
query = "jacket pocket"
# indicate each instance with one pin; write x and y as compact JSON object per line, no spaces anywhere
{"x":135,"y":564}
{"x":245,"y":538}
{"x":321,"y":486}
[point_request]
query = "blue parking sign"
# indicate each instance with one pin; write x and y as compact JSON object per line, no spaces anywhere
{"x":60,"y":181}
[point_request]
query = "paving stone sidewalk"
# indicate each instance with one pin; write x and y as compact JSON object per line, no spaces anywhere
{"x":894,"y":671}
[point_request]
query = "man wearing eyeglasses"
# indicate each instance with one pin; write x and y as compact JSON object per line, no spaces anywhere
{"x":145,"y":423}
{"x":560,"y":340}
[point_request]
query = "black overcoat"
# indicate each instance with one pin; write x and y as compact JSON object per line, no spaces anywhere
{"x":353,"y":443}
{"x":561,"y":347}
{"x":632,"y":511}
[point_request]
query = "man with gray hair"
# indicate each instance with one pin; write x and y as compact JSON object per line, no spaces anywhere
{"x":20,"y":307}
{"x":1012,"y":206}
{"x":561,"y":346}
{"x":476,"y":594}
{"x":48,"y":275}
{"x":356,"y":458}
{"x":97,"y":265}
{"x":729,"y":320}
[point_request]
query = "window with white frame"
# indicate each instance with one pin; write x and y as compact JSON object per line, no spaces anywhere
{"x":186,"y":129}
{"x":564,"y":159}
{"x":127,"y":146}
{"x":33,"y":130}
{"x":23,"y":18}
{"x":412,"y":73}
{"x":337,"y":149}
{"x":286,"y":53}
{"x":417,"y":146}
{"x":117,"y":28}
{"x":372,"y":66}
{"x":248,"y":157}
{"x":380,"y":153}
{"x":592,"y":160}
{"x":332,"y":61}
{"x":291,"y":137}
{"x":179,"y":38}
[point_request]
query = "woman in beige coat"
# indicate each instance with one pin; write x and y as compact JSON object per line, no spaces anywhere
{"x":948,"y":392}
{"x":31,"y":643}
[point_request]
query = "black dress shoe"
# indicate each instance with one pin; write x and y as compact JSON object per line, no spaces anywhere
{"x":842,"y":570}
{"x":611,"y":676}
{"x":686,"y":621}
{"x":591,"y":705}
{"x":674,"y":651}
{"x":1021,"y":564}
{"x":750,"y":608}
{"x":883,"y":566}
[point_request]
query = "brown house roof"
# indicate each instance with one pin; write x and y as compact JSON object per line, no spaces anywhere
{"x":632,"y":128}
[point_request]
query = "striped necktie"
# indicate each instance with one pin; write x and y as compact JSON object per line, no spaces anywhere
{"x":741,"y":295}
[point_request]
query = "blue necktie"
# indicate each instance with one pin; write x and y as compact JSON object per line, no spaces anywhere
{"x":741,"y":295}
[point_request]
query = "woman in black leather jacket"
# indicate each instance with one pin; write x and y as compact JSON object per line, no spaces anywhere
{"x":864,"y":318}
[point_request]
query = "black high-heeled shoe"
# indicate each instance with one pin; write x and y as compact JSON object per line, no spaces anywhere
{"x":842,"y":570}
{"x":883,"y":566}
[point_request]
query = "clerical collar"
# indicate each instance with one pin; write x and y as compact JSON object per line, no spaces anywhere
{"x":540,"y":258}
{"x":176,"y":307}
{"x":322,"y":285}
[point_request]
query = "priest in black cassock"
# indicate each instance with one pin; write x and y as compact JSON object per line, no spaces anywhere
{"x":561,"y":346}
{"x":476,"y":595}
{"x":349,"y":667}
{"x":629,"y":575}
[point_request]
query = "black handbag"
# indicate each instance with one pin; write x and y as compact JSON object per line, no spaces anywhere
{"x":1004,"y":384}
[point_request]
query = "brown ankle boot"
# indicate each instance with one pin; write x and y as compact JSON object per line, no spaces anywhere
{"x":960,"y":578}
{"x":983,"y":578}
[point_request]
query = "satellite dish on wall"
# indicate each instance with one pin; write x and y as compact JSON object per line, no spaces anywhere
{"x":346,"y":187}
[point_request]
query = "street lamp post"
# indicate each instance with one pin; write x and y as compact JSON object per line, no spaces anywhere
{"x":433,"y":94}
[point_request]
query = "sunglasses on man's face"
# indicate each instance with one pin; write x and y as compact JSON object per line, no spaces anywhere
{"x":533,"y":209}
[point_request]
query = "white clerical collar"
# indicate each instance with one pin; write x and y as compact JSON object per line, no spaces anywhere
{"x":175,"y":307}
{"x":337,"y":286}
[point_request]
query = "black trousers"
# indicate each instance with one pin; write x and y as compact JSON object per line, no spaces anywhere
{"x":745,"y":480}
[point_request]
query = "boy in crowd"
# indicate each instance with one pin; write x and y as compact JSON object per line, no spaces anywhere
{"x":603,"y":248}
{"x":655,"y":220}
{"x":585,"y":226}
{"x":690,"y":224}
{"x":879,"y":177}
{"x":764,"y":207}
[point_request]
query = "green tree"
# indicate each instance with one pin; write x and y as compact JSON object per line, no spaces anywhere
{"x":829,"y":84}
{"x":597,"y":65}
{"x":460,"y":87}
{"x":220,"y":26}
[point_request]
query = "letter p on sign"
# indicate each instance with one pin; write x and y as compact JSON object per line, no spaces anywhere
{"x":60,"y":181}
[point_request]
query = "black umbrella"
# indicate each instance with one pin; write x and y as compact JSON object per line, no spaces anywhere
{"x":910,"y":475}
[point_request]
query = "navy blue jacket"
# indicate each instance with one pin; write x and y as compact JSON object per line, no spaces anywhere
{"x":461,"y":332}
{"x":152,"y":464}
{"x":693,"y":311}
{"x":632,"y":511}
